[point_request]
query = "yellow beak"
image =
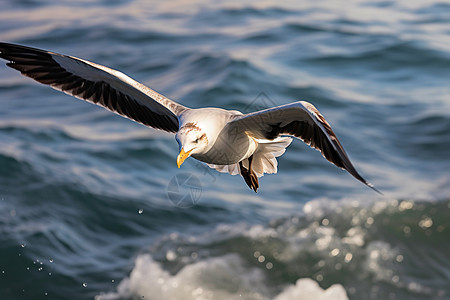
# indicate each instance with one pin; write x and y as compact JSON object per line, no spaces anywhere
{"x":182,"y":156}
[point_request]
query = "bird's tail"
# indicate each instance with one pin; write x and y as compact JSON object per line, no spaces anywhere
{"x":264,"y":158}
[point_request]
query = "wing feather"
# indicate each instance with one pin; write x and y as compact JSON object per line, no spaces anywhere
{"x":96,"y":84}
{"x":303,"y":121}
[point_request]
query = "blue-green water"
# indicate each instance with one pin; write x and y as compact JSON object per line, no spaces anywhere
{"x":84,"y":206}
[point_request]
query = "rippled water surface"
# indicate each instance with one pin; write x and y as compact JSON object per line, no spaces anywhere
{"x":85,"y":206}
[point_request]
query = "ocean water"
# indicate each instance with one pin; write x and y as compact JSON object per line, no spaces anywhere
{"x":92,"y":206}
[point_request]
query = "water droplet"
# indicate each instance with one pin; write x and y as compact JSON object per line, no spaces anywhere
{"x":84,"y":284}
{"x":112,"y":280}
{"x":348,"y":257}
{"x":45,"y":293}
{"x":50,"y":260}
{"x":425,"y":223}
{"x":22,"y":245}
{"x":140,"y":211}
{"x":407,"y":230}
{"x":171,"y":255}
{"x":28,"y":268}
{"x":261,"y":258}
{"x":334,"y":252}
{"x":49,"y":273}
{"x":40,"y":269}
{"x":269,"y":266}
{"x":405,"y":205}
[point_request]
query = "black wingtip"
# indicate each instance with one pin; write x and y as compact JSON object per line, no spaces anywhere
{"x":374,"y":188}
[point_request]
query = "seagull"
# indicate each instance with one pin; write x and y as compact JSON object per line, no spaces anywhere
{"x":226,"y":140}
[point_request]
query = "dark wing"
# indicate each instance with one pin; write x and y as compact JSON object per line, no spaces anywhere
{"x":301,"y":120}
{"x":95,"y":83}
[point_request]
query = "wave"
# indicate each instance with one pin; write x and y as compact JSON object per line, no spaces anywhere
{"x":220,"y":78}
{"x":396,"y":54}
{"x":349,"y":249}
{"x":216,"y":278}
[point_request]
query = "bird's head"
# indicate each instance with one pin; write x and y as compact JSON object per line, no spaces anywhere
{"x":191,"y":140}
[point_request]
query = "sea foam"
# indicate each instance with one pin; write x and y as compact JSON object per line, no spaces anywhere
{"x":226,"y":277}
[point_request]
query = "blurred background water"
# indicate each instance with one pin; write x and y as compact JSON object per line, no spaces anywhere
{"x":84,"y":209}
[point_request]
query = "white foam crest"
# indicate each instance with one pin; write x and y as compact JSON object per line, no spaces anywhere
{"x":215,"y":278}
{"x":306,"y":288}
{"x":225,"y":277}
{"x":379,"y":257}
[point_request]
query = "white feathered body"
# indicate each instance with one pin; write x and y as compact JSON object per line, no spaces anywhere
{"x":228,"y":147}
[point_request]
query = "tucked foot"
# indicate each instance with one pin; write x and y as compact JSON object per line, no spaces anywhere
{"x":250,"y":177}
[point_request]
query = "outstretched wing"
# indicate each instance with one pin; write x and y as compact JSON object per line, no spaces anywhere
{"x":95,"y":83}
{"x":302,"y":120}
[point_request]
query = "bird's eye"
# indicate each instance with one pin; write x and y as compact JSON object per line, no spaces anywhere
{"x":196,"y":140}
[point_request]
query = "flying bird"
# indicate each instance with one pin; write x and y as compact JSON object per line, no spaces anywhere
{"x":226,"y":140}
